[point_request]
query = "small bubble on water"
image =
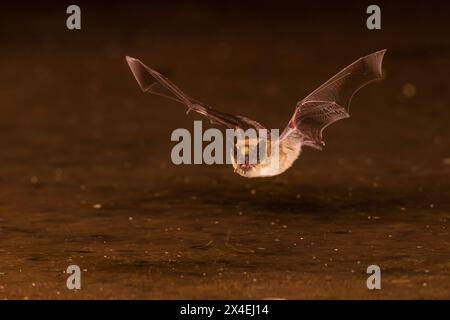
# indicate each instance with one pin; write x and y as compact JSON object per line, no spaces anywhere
{"x":58,"y":175}
{"x":409,"y":90}
{"x":34,"y":180}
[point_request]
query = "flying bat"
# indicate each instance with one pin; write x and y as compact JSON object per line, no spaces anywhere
{"x":327,"y":104}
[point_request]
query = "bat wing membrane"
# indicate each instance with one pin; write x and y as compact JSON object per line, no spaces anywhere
{"x":153,"y":82}
{"x":331,"y":101}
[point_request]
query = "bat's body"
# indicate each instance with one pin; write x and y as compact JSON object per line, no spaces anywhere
{"x":325,"y":105}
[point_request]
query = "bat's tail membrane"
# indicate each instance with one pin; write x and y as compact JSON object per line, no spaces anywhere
{"x":153,"y":82}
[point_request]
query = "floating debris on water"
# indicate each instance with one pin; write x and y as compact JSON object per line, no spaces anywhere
{"x":202,"y":246}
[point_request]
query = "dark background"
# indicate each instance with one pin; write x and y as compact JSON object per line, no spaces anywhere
{"x":86,"y":176}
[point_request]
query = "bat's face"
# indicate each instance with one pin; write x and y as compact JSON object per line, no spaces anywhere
{"x":246,"y":157}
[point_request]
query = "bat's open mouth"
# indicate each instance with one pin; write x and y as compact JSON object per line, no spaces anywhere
{"x":244,"y":166}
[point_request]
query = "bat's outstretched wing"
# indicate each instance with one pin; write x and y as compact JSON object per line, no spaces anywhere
{"x":331,"y":101}
{"x":153,"y":82}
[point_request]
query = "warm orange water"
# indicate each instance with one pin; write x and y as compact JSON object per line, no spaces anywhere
{"x":86,"y":177}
